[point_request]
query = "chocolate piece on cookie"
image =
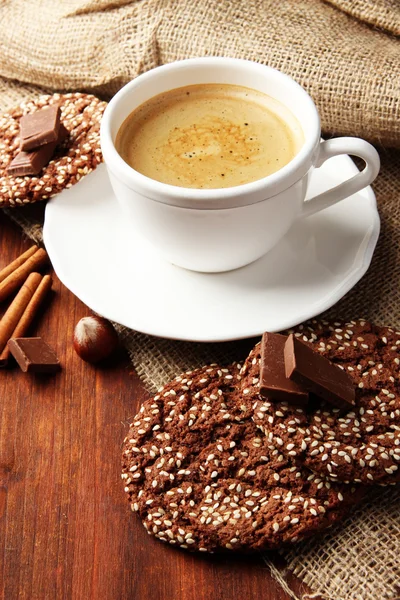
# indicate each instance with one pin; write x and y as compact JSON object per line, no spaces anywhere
{"x":40,"y":127}
{"x":274,"y":383}
{"x":202,"y":476}
{"x":318,"y":375}
{"x":77,"y":156}
{"x":31,"y":163}
{"x":358,"y":445}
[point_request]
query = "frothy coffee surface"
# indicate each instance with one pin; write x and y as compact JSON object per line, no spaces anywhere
{"x":209,"y":136}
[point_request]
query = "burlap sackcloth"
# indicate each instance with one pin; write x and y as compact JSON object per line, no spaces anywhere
{"x":346,"y":53}
{"x":352,"y":70}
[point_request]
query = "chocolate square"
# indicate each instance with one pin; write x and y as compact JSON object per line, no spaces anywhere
{"x":33,"y":355}
{"x":317,"y":374}
{"x":40,"y":128}
{"x":31,"y":163}
{"x":273,"y":381}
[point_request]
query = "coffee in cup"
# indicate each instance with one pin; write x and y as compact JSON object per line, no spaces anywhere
{"x":222,"y":228}
{"x":209,"y":136}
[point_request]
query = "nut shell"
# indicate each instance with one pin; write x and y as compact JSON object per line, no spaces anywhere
{"x":94,"y":339}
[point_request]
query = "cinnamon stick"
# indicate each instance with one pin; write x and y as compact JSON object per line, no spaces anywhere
{"x":15,"y":279}
{"x":16,"y":309}
{"x":17,"y":263}
{"x":28,"y":315}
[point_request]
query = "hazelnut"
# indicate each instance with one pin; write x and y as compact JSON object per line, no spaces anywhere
{"x":94,"y":339}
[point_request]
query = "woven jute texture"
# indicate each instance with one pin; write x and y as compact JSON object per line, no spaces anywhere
{"x":352,"y":70}
{"x":384,"y":14}
{"x":342,"y":53}
{"x":14,"y":92}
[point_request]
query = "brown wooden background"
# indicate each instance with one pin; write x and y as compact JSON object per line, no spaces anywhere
{"x":66,"y":530}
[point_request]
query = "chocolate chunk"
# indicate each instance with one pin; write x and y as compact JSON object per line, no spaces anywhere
{"x":33,"y":355}
{"x":317,"y":374}
{"x":273,"y":381}
{"x":40,"y":128}
{"x":31,"y":163}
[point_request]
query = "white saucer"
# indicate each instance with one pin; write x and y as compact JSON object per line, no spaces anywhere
{"x":119,"y":276}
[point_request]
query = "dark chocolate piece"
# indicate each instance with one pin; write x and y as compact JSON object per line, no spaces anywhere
{"x":317,"y":374}
{"x":31,"y":163}
{"x":33,"y":355}
{"x":40,"y":128}
{"x":273,"y":381}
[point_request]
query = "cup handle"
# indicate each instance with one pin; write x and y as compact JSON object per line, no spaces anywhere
{"x":344,"y":145}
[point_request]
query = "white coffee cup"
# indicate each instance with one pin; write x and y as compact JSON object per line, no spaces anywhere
{"x":214,"y":230}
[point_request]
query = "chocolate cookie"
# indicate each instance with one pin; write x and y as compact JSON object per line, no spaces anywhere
{"x":202,"y":476}
{"x":77,"y":156}
{"x":359,"y":445}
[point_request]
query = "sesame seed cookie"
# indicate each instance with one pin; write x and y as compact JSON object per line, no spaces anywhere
{"x":360,"y":445}
{"x":77,"y":156}
{"x":202,"y":477}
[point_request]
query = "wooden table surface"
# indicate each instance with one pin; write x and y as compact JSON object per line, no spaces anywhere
{"x":66,"y":529}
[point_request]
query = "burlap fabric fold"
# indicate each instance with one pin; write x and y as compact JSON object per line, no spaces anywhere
{"x":383,"y":14}
{"x":14,"y":92}
{"x":351,"y":69}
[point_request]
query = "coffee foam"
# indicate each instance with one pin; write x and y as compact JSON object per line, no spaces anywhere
{"x":209,"y":136}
